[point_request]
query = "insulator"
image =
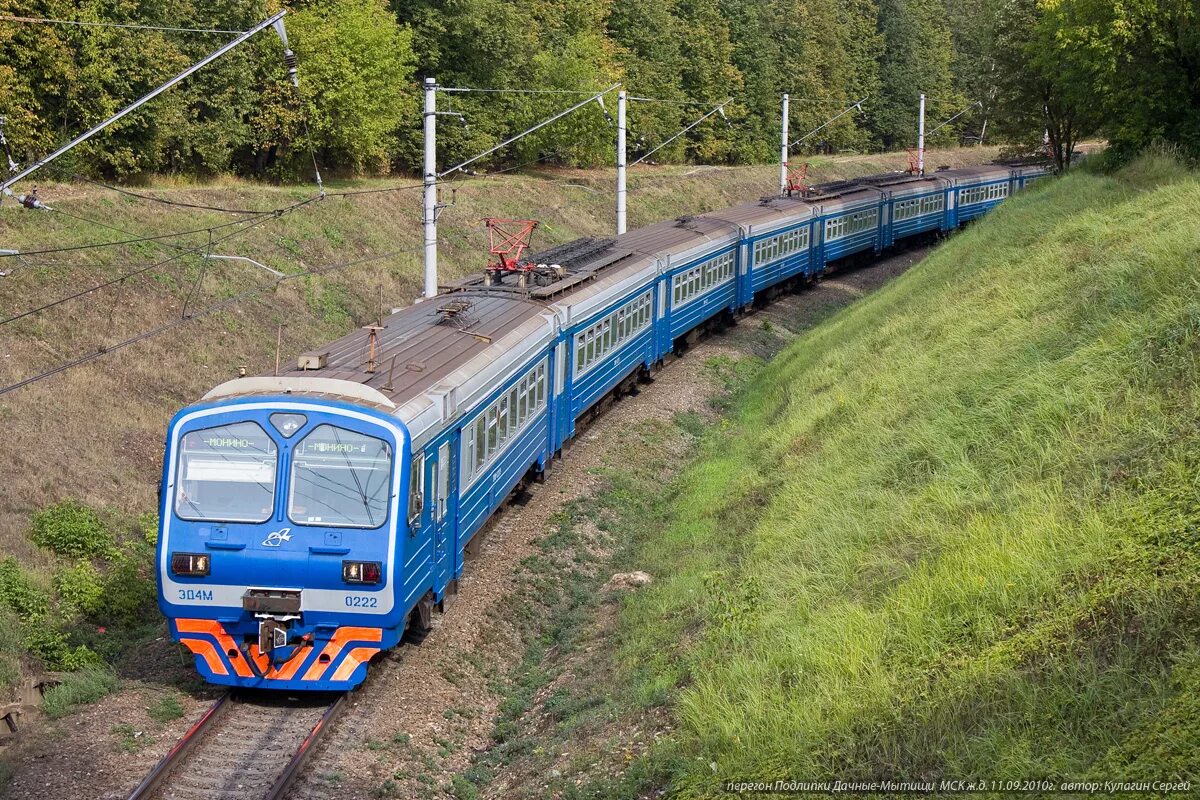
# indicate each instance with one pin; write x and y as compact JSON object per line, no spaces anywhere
{"x":289,"y":59}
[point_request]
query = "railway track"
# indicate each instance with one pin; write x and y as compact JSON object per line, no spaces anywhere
{"x":242,"y":749}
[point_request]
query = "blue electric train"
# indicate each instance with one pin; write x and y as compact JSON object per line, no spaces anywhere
{"x":309,"y":518}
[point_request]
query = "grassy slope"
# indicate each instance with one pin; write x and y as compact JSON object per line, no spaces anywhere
{"x":111,"y":413}
{"x":955,"y":531}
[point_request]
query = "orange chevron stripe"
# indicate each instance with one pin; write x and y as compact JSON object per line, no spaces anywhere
{"x":285,"y":670}
{"x":216,"y":630}
{"x":205,"y":649}
{"x":350,"y":663}
{"x":289,"y":668}
{"x":340,"y":637}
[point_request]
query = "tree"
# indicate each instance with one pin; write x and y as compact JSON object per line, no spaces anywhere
{"x":356,"y":71}
{"x":1047,"y":84}
{"x":1145,"y":58}
{"x":916,"y":57}
{"x":973,"y":30}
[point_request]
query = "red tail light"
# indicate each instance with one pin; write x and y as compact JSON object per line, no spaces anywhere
{"x":362,"y":571}
{"x":191,"y":564}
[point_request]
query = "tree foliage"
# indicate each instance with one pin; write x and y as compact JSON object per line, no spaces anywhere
{"x":1073,"y":68}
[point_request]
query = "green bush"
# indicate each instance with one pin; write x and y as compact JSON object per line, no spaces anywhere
{"x":71,"y":529}
{"x":147,"y":527}
{"x":18,"y":591}
{"x":79,"y":588}
{"x":129,"y":591}
{"x":10,"y":649}
{"x":78,"y":688}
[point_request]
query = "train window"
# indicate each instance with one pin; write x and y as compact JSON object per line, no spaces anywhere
{"x":500,"y":423}
{"x":226,"y":474}
{"x":416,"y":490}
{"x":341,"y":478}
{"x":480,"y":442}
{"x":469,"y":449}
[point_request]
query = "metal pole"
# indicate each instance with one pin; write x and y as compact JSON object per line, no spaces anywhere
{"x":921,"y":139}
{"x":783,"y":149}
{"x":430,"y":180}
{"x":213,"y":56}
{"x":621,"y":197}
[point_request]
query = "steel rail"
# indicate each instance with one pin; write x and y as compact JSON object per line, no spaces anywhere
{"x":154,"y":781}
{"x":296,"y":764}
{"x":175,"y":755}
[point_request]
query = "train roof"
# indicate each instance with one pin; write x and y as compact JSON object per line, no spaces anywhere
{"x":442,"y":356}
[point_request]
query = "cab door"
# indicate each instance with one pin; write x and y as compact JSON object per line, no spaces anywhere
{"x":440,"y":478}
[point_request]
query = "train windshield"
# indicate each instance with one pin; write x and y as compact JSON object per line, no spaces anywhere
{"x":340,"y":478}
{"x":226,"y":474}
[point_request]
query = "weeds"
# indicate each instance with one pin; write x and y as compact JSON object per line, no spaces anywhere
{"x":71,"y":529}
{"x":166,"y":709}
{"x":78,"y":688}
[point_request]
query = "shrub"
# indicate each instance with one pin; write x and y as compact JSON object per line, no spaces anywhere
{"x":78,"y":688}
{"x":10,"y":649}
{"x":72,"y":529}
{"x":18,"y":591}
{"x":79,"y":589}
{"x":147,"y":527}
{"x":129,"y":595}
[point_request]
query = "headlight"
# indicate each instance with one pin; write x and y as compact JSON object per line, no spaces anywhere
{"x":362,"y":571}
{"x":192,"y":565}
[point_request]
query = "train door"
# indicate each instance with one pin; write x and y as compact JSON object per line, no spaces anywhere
{"x":441,"y":471}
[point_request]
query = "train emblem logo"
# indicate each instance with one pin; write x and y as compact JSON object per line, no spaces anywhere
{"x":276,"y":538}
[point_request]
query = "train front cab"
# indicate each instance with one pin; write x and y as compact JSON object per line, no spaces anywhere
{"x":284,"y":559}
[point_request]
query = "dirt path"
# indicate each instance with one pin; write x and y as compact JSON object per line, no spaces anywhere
{"x":427,"y":710}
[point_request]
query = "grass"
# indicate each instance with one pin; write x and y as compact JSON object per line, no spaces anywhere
{"x":167,"y":708}
{"x":954,"y":530}
{"x":78,"y":688}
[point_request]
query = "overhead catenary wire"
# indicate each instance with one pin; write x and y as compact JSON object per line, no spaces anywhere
{"x":248,"y":223}
{"x":973,"y":104}
{"x":594,"y":96}
{"x":856,"y":104}
{"x":719,"y":108}
{"x":471,"y":89}
{"x":154,"y":238}
{"x":166,"y":202}
{"x":175,"y":323}
{"x":213,"y":56}
{"x":666,"y":101}
{"x":127,"y":25}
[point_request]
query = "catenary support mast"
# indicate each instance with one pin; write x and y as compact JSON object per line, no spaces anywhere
{"x":430,"y":179}
{"x":622,"y":218}
{"x":921,"y":138}
{"x":783,"y":149}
